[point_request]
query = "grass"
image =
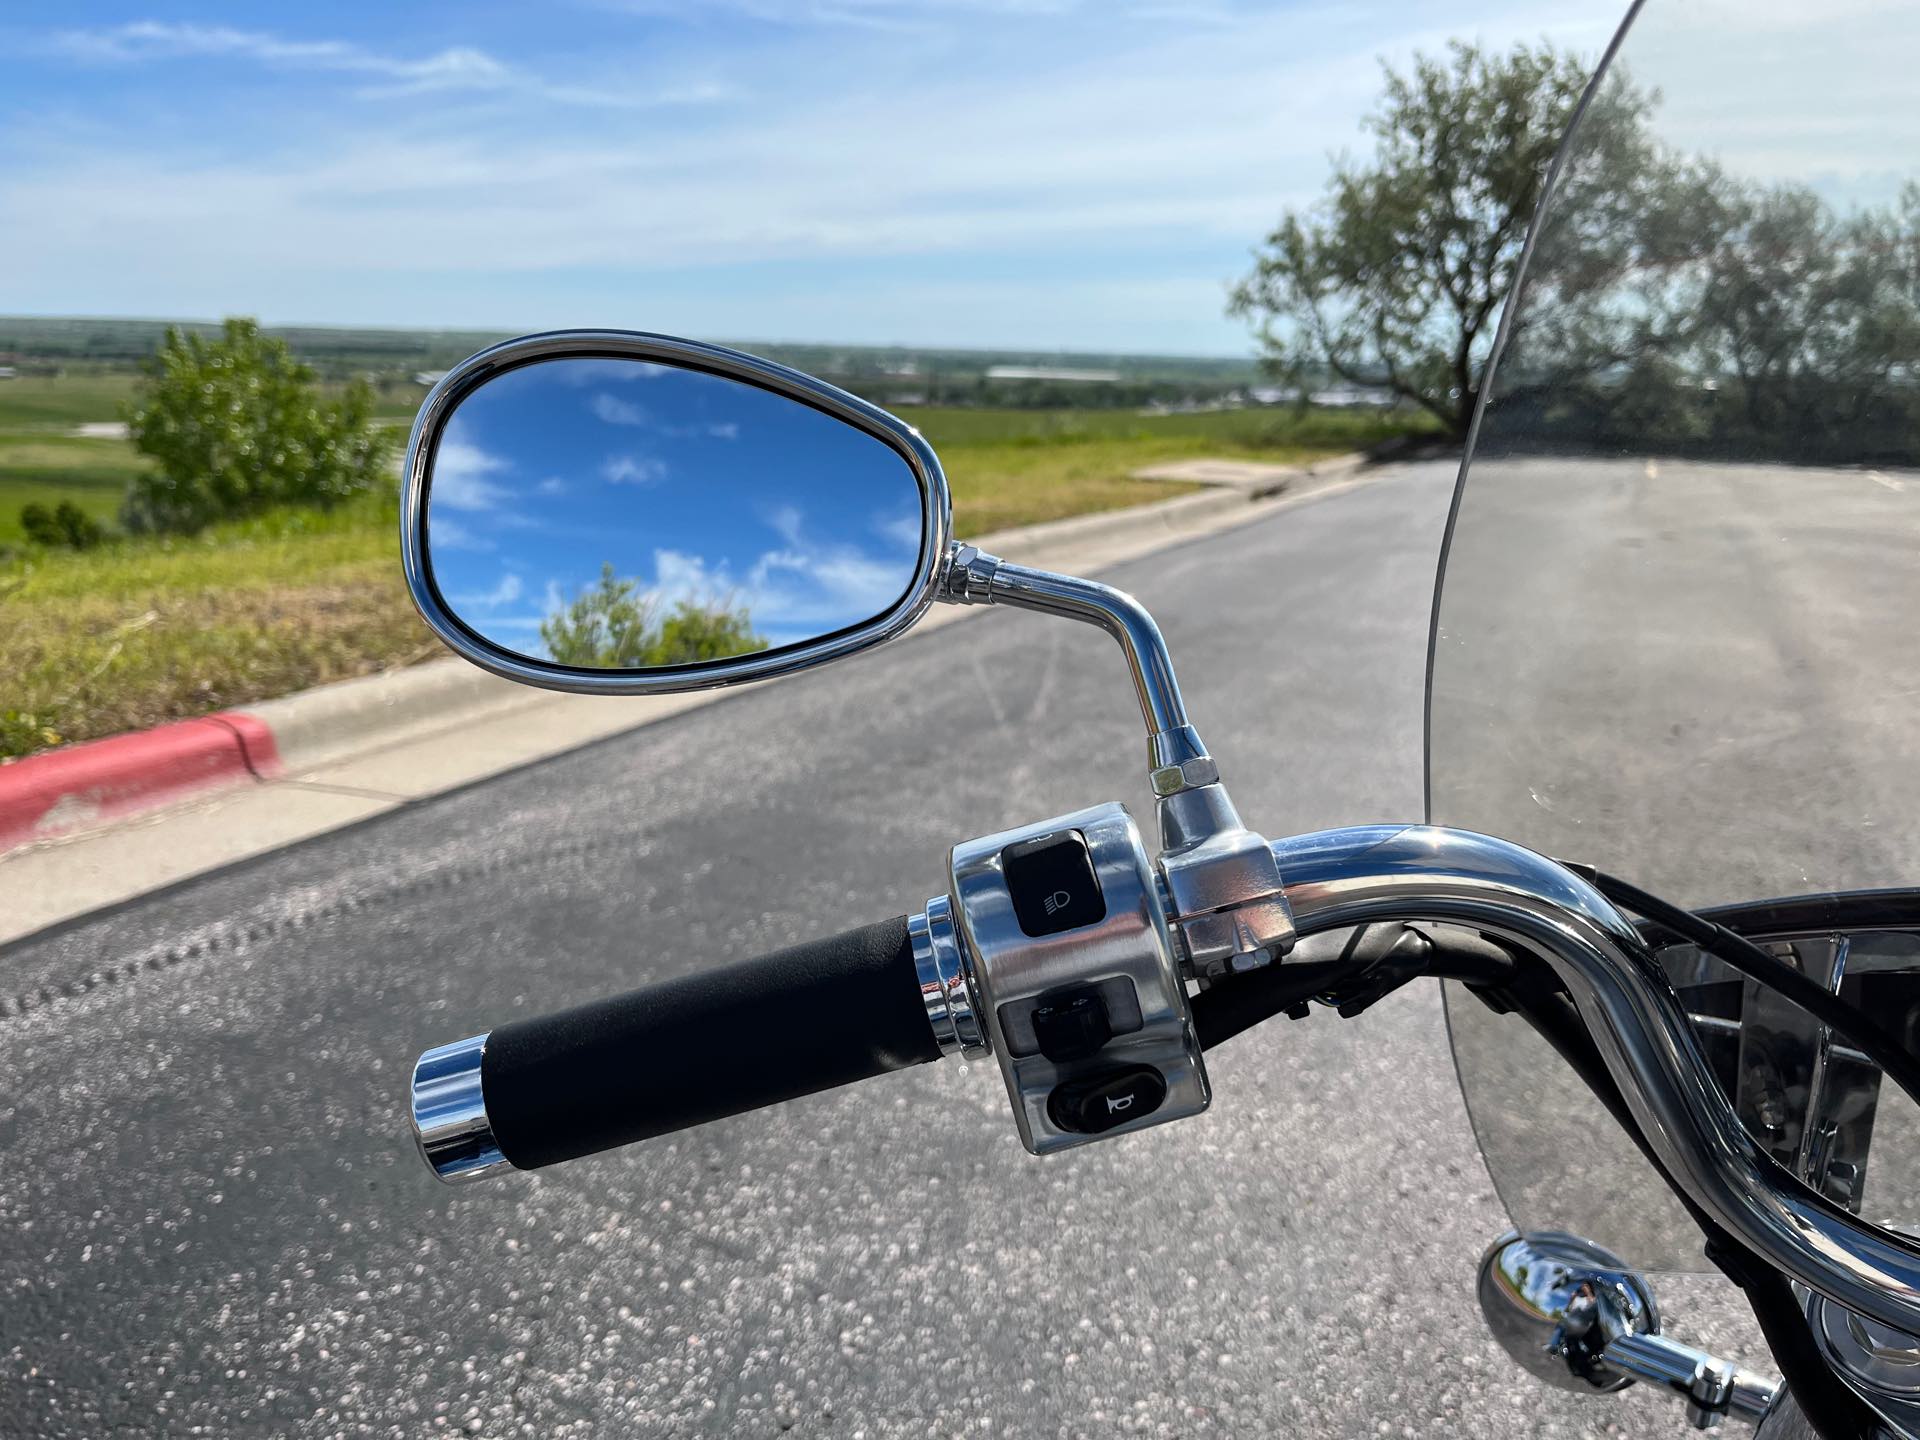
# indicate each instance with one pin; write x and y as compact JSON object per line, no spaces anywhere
{"x":138,"y":632}
{"x":144,"y":630}
{"x":58,"y":402}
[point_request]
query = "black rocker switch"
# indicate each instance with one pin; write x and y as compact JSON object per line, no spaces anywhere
{"x":1107,"y":1101}
{"x":1071,"y":1024}
{"x":1052,"y":884}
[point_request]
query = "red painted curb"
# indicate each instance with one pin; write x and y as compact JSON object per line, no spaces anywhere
{"x":82,"y":785}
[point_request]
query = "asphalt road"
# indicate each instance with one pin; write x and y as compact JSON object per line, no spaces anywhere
{"x":1721,"y":709}
{"x":212,"y":1220}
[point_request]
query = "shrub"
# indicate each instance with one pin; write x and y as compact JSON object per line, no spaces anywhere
{"x":66,"y":525}
{"x":235,"y":425}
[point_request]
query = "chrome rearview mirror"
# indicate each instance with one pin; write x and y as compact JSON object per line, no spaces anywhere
{"x":618,"y":513}
{"x":626,"y":514}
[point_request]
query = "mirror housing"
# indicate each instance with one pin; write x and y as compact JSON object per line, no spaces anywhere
{"x":460,"y":384}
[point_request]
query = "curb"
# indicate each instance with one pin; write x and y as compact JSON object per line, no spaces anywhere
{"x":84,"y":785}
{"x":81,"y":787}
{"x":328,"y":722}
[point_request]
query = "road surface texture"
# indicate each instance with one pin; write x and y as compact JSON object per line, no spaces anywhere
{"x":212,"y":1220}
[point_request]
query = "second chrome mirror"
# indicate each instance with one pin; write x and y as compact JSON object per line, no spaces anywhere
{"x":609,"y":512}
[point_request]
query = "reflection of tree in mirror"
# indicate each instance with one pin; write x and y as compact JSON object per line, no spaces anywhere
{"x":617,"y":625}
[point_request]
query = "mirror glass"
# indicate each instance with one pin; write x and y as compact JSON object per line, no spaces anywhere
{"x":619,"y":514}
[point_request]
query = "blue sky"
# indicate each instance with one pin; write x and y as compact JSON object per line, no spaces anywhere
{"x":1080,"y":174}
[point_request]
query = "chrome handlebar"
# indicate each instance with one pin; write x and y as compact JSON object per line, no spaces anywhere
{"x":1341,"y":878}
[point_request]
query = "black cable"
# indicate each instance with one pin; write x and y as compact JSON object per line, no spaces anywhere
{"x":1871,"y":1038}
{"x":1350,"y":969}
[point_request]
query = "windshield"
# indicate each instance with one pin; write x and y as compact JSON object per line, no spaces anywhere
{"x":1675,"y":637}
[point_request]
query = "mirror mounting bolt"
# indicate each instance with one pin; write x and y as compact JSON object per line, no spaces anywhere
{"x":968,"y":578}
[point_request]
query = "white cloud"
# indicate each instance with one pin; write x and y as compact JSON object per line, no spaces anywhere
{"x":505,"y":593}
{"x":456,"y":68}
{"x":791,"y":593}
{"x":552,"y":485}
{"x":727,"y":431}
{"x":446,"y":533}
{"x":615,"y":411}
{"x":901,"y":530}
{"x":885,"y":16}
{"x":594,"y":372}
{"x":633,"y":470}
{"x":460,"y":470}
{"x":785,"y":521}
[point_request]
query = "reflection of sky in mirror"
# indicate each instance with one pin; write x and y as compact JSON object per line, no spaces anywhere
{"x":699,"y":488}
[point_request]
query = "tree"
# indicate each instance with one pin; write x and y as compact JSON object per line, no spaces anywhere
{"x":615,"y":625}
{"x":236,"y":426}
{"x":1724,"y":316}
{"x":1397,"y":277}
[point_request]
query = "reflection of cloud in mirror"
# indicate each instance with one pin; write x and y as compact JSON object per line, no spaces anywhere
{"x":901,"y":530}
{"x":633,"y":470}
{"x":615,"y":411}
{"x":460,"y":468}
{"x":505,"y":593}
{"x":552,"y":485}
{"x":450,"y":534}
{"x":582,"y":373}
{"x":785,"y":521}
{"x":799,"y":590}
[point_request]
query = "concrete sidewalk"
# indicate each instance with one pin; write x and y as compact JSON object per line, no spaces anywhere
{"x":354,"y":750}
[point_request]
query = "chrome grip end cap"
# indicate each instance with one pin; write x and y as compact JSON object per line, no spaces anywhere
{"x":449,"y":1113}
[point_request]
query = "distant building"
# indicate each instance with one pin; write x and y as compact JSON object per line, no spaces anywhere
{"x":1050,"y":373}
{"x":1344,"y":396}
{"x":7,"y":372}
{"x":429,"y":378}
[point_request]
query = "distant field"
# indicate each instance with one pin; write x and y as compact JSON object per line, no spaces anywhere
{"x":35,"y":401}
{"x":145,"y":630}
{"x":42,"y":461}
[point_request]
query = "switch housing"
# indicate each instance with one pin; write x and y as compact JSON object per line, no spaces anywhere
{"x":1093,"y":998}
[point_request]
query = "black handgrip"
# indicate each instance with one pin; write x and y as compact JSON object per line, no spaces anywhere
{"x":709,"y":1044}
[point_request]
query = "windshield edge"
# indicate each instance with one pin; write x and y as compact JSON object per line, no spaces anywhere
{"x":1515,"y":298}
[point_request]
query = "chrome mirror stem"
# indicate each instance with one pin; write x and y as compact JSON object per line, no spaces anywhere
{"x":1712,"y":1388}
{"x":1223,"y":889}
{"x":1176,"y":758}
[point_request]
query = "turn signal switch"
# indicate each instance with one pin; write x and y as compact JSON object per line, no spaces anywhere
{"x":1054,"y":951}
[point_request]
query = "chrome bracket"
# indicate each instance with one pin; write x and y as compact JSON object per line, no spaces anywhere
{"x":1580,"y":1319}
{"x":1222,"y":886}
